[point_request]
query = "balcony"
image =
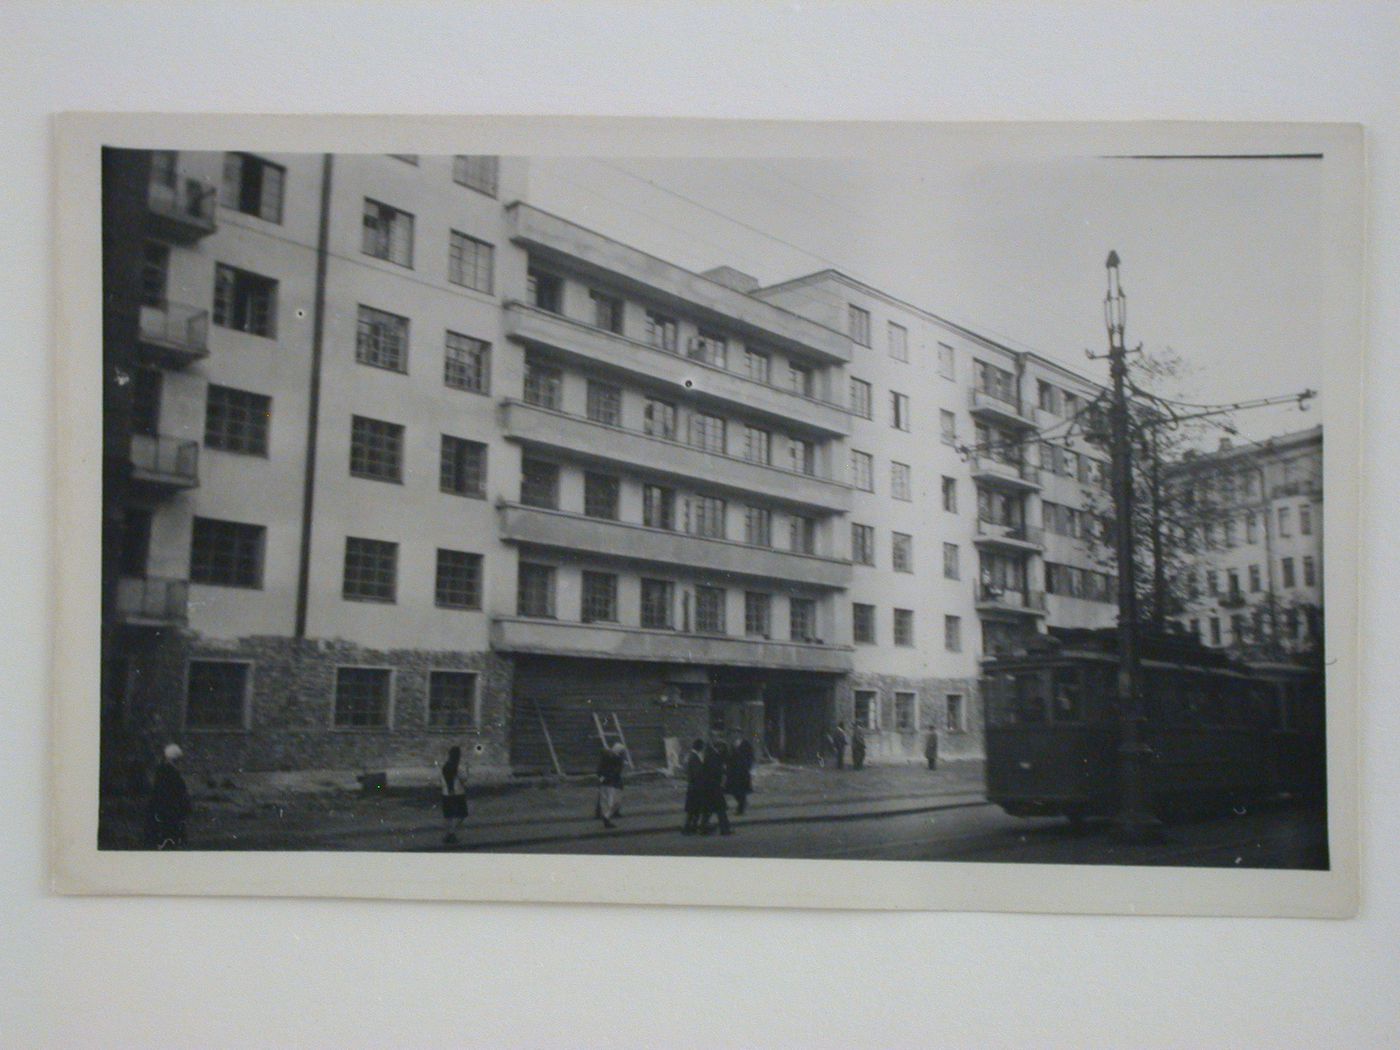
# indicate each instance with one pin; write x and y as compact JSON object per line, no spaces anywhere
{"x":622,"y":541}
{"x":648,"y":363}
{"x":581,"y":438}
{"x":150,"y":601}
{"x":1232,"y":600}
{"x":1311,"y":487}
{"x":182,"y":212}
{"x":991,"y":599}
{"x":613,"y":642}
{"x":174,"y":335}
{"x":1020,"y":538}
{"x":1021,"y":477}
{"x":988,"y":406}
{"x":164,"y":463}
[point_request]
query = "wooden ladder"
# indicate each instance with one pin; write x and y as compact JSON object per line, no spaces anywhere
{"x":609,"y":734}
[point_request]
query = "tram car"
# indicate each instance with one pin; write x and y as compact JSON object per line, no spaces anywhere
{"x":1217,"y":731}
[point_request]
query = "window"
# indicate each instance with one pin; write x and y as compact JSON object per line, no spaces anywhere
{"x":863,"y":623}
{"x":253,"y":186}
{"x":899,"y":410}
{"x":865,"y":709}
{"x":478,"y":173}
{"x":470,"y":262}
{"x":458,"y":584}
{"x":1251,"y":528}
{"x":945,"y":361}
{"x":951,"y":568}
{"x":600,"y":495}
{"x":1285,"y":526}
{"x":1304,"y":520}
{"x":906,"y":714}
{"x":947,"y":426}
{"x":950,"y":495}
{"x":539,"y":483}
{"x":534,"y":590}
{"x":463,"y":468}
{"x":862,"y":471}
{"x":802,"y":616}
{"x":707,"y":432}
{"x":707,"y":517}
{"x":899,"y":341}
{"x":1215,"y":630}
{"x":757,"y":365}
{"x":1254,"y":581}
{"x":1309,"y":571}
{"x":607,"y":311}
{"x":604,"y":403}
{"x":860,"y":398}
{"x":709,"y":610}
{"x":1238,"y":630}
{"x":858,"y":324}
{"x":709,"y":348}
{"x":758,"y":614}
{"x":226,"y":553}
{"x":245,"y":301}
{"x":799,"y":379}
{"x":1212,"y":581}
{"x":216,"y":694}
{"x":1229,"y":532}
{"x":388,"y":233}
{"x":863,"y":544}
{"x":900,"y":487}
{"x":164,"y":167}
{"x":659,"y":419}
{"x":902,"y":551}
{"x":661,"y":331}
{"x":155,"y":269}
{"x":802,"y":536}
{"x":1288,"y":577}
{"x":381,"y":339}
{"x":543,"y":385}
{"x":1234,"y":578}
{"x":1194,"y":628}
{"x":544,"y":290}
{"x":1047,"y":397}
{"x":599,"y":602}
{"x":452,"y":700}
{"x":376,"y":449}
{"x":995,"y":382}
{"x":657,"y":601}
{"x":467,"y":364}
{"x":956,"y":713}
{"x":757,"y":445}
{"x":371,"y":568}
{"x":236,"y":420}
{"x":804,"y":456}
{"x":658,"y":507}
{"x":904,"y":627}
{"x":361,"y":698}
{"x":952,"y":633}
{"x":758,"y":526}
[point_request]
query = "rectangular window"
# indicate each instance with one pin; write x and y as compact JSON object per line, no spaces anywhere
{"x":539,"y":483}
{"x":802,"y":534}
{"x":1251,"y":528}
{"x":599,"y":602}
{"x":381,"y":339}
{"x":899,"y":410}
{"x":904,"y":627}
{"x":604,"y":403}
{"x":1047,"y":397}
{"x":545,"y":290}
{"x":658,"y":507}
{"x":534,"y":591}
{"x":956,"y":713}
{"x":900,"y":487}
{"x":470,"y":262}
{"x":388,"y":233}
{"x":906,"y":715}
{"x":1238,"y":629}
{"x":862,"y":471}
{"x":803,"y":455}
{"x":946,"y":366}
{"x":1229,"y":532}
{"x":858,"y":324}
{"x":600,"y":495}
{"x":467,"y":364}
{"x":951,"y":567}
{"x":860,"y":398}
{"x":463,"y":468}
{"x":952,"y":633}
{"x":709,"y":348}
{"x":479,"y":173}
{"x":1254,"y":581}
{"x":947,"y":427}
{"x":1234,"y":583}
{"x":226,"y":553}
{"x":1285,"y":525}
{"x":996,"y":382}
{"x":253,"y":186}
{"x":1212,"y":581}
{"x":800,"y":379}
{"x":865,"y":709}
{"x":709,"y":610}
{"x":376,"y":449}
{"x":902,"y":551}
{"x":245,"y":301}
{"x":452,"y":700}
{"x":658,"y":599}
{"x":802,"y":614}
{"x":863,"y":544}
{"x":607,"y":311}
{"x":1309,"y":571}
{"x":216,"y":693}
{"x":361,"y":698}
{"x":155,"y":270}
{"x":458,"y":584}
{"x":758,"y":526}
{"x":707,"y":432}
{"x":371,"y":569}
{"x":950,"y":495}
{"x":707,"y":517}
{"x":757,"y":445}
{"x":1215,"y":630}
{"x":758,"y":614}
{"x":236,"y":420}
{"x":659,"y":419}
{"x":863,"y":623}
{"x":1288,"y":578}
{"x":662,"y":331}
{"x":757,"y":365}
{"x":899,"y":341}
{"x":1305,"y":520}
{"x":544,"y":385}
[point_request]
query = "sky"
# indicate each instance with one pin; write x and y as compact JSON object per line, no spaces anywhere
{"x":1221,"y":260}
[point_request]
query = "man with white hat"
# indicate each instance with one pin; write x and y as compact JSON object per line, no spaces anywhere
{"x":610,"y":764}
{"x":169,"y":804}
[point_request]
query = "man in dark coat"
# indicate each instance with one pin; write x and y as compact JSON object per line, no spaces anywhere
{"x":838,"y":745}
{"x":857,"y":747}
{"x":169,"y":805}
{"x":694,"y":787}
{"x":610,"y":764}
{"x":713,"y":803}
{"x":738,"y":777}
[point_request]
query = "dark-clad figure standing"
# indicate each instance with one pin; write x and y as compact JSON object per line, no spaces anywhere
{"x":610,"y":783}
{"x":694,"y":787}
{"x":713,"y":803}
{"x":857,"y":747}
{"x":169,"y":804}
{"x":838,"y":745}
{"x":738,"y":777}
{"x":454,"y":794}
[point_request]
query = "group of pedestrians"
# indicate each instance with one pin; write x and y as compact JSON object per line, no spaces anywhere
{"x":712,"y":773}
{"x":834,"y":742}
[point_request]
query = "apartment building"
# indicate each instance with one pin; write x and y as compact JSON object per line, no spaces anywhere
{"x":412,"y":462}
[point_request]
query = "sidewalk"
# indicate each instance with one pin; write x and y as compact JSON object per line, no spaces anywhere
{"x":535,"y":813}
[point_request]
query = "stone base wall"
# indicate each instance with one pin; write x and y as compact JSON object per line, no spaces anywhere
{"x":888,"y":744}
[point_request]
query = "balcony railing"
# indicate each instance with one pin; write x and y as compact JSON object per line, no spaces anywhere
{"x":984,"y":402}
{"x":175,"y":334}
{"x":184,"y":211}
{"x":152,"y":601}
{"x":164,"y":462}
{"x":1311,"y":487}
{"x":1004,"y":599}
{"x":1021,"y":475}
{"x":1020,"y":535}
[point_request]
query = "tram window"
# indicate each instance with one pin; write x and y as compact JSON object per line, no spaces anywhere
{"x":1030,"y":699}
{"x":1068,"y":695}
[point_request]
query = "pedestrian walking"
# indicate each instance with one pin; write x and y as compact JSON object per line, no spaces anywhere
{"x":713,"y":802}
{"x":838,"y":745}
{"x":738,"y":775}
{"x":169,"y":807}
{"x":931,"y":748}
{"x":694,"y":787}
{"x":610,"y":782}
{"x":824,"y":751}
{"x":454,"y":794}
{"x":857,"y":747}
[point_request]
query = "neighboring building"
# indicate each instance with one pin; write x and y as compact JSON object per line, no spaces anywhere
{"x":1253,"y":518}
{"x":412,"y":461}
